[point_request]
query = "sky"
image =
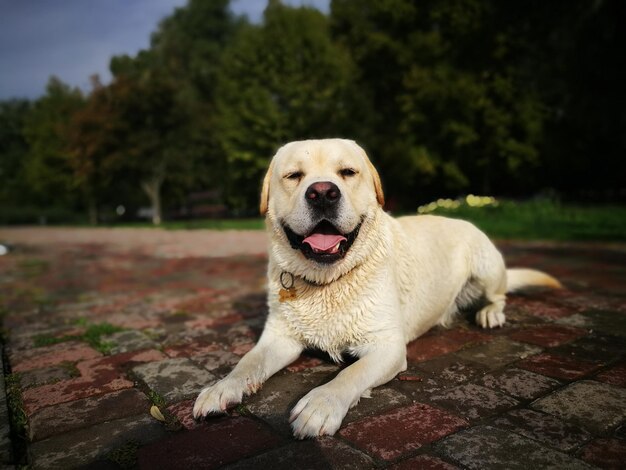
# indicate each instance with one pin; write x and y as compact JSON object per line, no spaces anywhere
{"x":74,"y":39}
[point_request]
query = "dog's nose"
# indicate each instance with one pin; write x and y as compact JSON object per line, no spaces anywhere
{"x":322,"y":194}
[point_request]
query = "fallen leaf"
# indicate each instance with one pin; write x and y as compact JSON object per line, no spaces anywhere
{"x":156,"y":413}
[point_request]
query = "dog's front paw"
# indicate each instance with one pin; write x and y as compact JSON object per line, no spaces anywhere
{"x":217,"y":398}
{"x":320,"y":412}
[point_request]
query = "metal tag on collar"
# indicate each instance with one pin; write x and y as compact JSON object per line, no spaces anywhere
{"x":288,"y":292}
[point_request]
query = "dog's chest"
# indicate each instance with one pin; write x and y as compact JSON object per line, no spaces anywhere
{"x":327,"y":320}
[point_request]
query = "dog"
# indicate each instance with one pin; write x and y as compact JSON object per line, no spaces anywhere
{"x":346,"y":277}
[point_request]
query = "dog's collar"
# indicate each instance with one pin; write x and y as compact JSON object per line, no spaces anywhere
{"x":287,"y":279}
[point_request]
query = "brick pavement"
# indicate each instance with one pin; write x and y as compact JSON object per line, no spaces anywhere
{"x":99,"y":329}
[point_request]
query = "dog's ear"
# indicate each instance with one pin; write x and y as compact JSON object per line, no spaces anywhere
{"x":378,"y":186}
{"x":265,"y":191}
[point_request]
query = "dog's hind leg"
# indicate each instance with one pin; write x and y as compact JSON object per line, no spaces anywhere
{"x":490,"y":274}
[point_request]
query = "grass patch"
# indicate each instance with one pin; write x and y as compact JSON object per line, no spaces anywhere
{"x":92,"y":336}
{"x":33,"y":267}
{"x":544,"y":220}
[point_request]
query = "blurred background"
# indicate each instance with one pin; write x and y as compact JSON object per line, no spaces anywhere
{"x":510,"y":113}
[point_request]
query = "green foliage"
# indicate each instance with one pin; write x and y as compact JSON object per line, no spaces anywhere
{"x":448,"y":92}
{"x":280,"y":81}
{"x":13,"y":148}
{"x":47,"y":170}
{"x":447,"y":96}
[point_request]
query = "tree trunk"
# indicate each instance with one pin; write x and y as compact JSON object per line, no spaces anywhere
{"x":92,"y":209}
{"x":152,"y":187}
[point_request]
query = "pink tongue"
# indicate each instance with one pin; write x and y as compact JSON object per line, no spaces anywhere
{"x":324,"y":243}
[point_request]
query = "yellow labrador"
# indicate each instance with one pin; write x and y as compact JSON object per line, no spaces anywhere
{"x":344,"y":276}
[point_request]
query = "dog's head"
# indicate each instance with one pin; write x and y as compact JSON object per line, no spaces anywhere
{"x":319,"y":193}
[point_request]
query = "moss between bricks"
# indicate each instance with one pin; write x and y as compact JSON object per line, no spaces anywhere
{"x":17,"y":415}
{"x":92,"y":335}
{"x":156,"y":399}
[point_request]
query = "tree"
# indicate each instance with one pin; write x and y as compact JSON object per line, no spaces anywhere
{"x":151,"y":135}
{"x":13,"y":150}
{"x":280,"y":81}
{"x":451,"y":111}
{"x":94,"y":146}
{"x":580,"y":67}
{"x":47,"y":168}
{"x":183,"y":61}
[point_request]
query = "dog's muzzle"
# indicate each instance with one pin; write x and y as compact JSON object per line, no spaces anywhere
{"x":324,"y":244}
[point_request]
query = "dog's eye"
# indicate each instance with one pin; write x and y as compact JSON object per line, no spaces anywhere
{"x":347,"y":172}
{"x":296,"y":175}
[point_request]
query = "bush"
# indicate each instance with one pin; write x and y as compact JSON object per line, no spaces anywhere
{"x":31,"y":215}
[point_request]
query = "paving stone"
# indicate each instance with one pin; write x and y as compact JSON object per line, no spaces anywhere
{"x":36,"y":377}
{"x":191,"y":348}
{"x":274,"y":402}
{"x":541,"y":308}
{"x":218,"y":362}
{"x":594,"y":347}
{"x":577,"y":320}
{"x":96,"y":377}
{"x":452,"y":369}
{"x":84,"y":446}
{"x":498,"y":353}
{"x":174,"y":379}
{"x":423,"y":462}
{"x":548,"y":336}
{"x":593,"y":405}
{"x":38,"y":358}
{"x":421,"y":386}
{"x":131,"y":340}
{"x":473,"y":401}
{"x":65,"y":417}
{"x":614,"y":376}
{"x":397,"y":432}
{"x":444,"y":342}
{"x":182,"y":411}
{"x":609,"y":322}
{"x":520,"y":383}
{"x":560,"y":367}
{"x":486,"y":447}
{"x":224,"y":441}
{"x":586,"y":300}
{"x":132,"y":320}
{"x":544,"y":428}
{"x":605,"y":453}
{"x":382,"y":398}
{"x":305,"y":362}
{"x":321,"y":453}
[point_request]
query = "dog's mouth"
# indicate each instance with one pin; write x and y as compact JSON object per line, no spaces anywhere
{"x":324,"y":244}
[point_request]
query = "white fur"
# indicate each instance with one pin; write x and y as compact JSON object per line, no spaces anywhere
{"x":400,"y":278}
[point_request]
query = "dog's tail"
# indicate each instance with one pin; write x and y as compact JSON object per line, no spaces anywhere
{"x":519,"y":278}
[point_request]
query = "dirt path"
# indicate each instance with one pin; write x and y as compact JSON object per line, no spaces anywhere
{"x":156,"y":242}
